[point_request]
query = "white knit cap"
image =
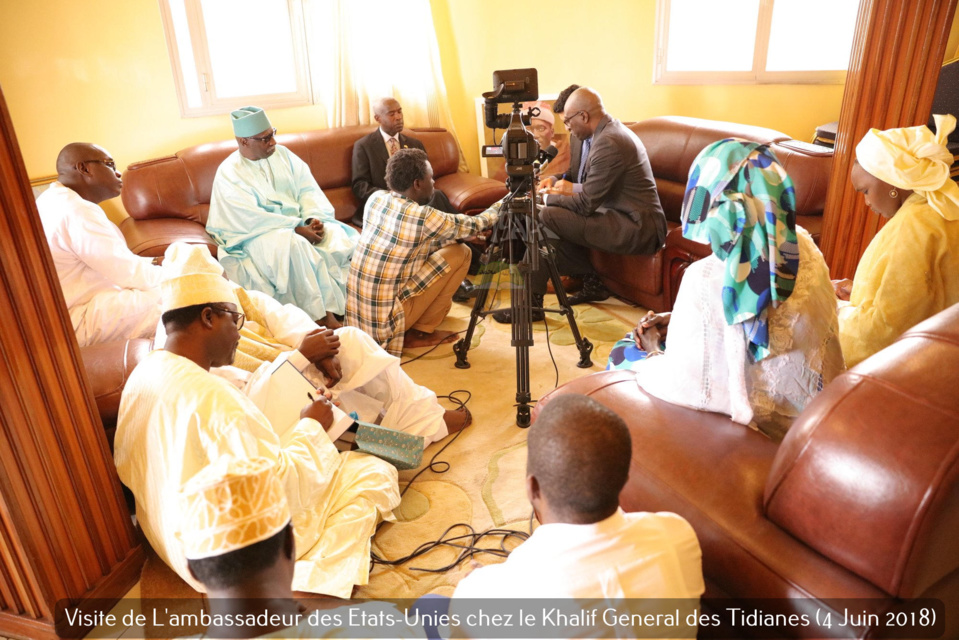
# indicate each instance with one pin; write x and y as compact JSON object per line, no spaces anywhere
{"x":231,"y":504}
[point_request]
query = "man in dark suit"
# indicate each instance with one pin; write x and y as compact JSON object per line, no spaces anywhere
{"x":372,"y":152}
{"x":370,"y":155}
{"x":616,"y":210}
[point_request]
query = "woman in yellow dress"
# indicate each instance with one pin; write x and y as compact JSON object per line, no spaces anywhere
{"x":910,"y":270}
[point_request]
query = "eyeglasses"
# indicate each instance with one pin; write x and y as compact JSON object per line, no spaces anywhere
{"x":108,"y":163}
{"x":264,"y":139}
{"x":567,"y":120}
{"x":238,"y":318}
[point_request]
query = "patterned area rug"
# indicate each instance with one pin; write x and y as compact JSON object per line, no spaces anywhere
{"x":485,"y":484}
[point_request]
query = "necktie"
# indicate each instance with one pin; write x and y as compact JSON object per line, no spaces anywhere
{"x":583,"y":156}
{"x":392,"y":146}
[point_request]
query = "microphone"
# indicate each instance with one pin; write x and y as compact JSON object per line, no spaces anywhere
{"x":546,"y":155}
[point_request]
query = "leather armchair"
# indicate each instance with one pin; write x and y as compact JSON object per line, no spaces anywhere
{"x":108,"y":366}
{"x":860,"y":500}
{"x":168,"y":199}
{"x":672,"y":143}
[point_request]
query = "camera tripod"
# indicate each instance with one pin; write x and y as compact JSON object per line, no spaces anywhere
{"x":519,"y":221}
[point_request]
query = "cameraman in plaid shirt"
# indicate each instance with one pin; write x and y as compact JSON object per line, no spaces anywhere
{"x":407,"y":264}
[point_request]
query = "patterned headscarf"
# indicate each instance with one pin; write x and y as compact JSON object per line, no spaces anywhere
{"x":740,"y":201}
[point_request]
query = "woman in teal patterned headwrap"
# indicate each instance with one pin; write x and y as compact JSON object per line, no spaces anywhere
{"x":741,"y":202}
{"x":757,"y":244}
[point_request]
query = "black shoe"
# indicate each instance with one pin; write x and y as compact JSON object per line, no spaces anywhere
{"x":505,"y":316}
{"x":465,"y":291}
{"x":593,"y":291}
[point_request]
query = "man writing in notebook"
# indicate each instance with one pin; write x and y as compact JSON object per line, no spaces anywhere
{"x":176,"y":419}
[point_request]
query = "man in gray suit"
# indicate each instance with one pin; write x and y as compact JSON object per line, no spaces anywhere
{"x":617,"y":208}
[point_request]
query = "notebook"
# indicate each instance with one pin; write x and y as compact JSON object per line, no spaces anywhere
{"x":285,"y":393}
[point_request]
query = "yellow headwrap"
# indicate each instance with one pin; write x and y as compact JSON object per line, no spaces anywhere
{"x":230,"y":505}
{"x":914,"y":158}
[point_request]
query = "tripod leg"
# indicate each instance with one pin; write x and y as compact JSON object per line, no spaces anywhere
{"x":492,"y":254}
{"x":521,"y":303}
{"x":585,"y":346}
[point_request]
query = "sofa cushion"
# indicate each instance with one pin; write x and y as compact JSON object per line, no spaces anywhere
{"x":673,"y":142}
{"x":868,"y":474}
{"x":442,"y":150}
{"x":176,"y":186}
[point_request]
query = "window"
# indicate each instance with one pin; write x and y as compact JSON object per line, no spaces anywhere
{"x":753,"y":41}
{"x":337,"y":54}
{"x":229,"y":53}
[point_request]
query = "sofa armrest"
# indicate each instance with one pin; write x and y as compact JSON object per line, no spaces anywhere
{"x":678,"y":254}
{"x":469,"y":193}
{"x":868,"y":475}
{"x":108,"y":365}
{"x":152,"y":237}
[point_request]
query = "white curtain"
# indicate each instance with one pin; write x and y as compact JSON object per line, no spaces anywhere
{"x":360,"y":50}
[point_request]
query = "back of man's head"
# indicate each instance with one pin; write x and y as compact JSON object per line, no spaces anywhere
{"x":586,"y":99}
{"x":405,"y":166}
{"x":239,"y":569}
{"x":559,"y":104}
{"x":235,"y":532}
{"x":579,"y":453}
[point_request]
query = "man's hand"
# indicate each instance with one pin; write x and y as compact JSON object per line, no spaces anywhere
{"x":843,"y":288}
{"x":563,"y":188}
{"x":331,"y":369}
{"x":649,"y":340}
{"x":651,"y":330}
{"x":320,"y":410}
{"x":319,"y":344}
{"x":317,"y":227}
{"x":546,"y":183}
{"x":308,"y":233}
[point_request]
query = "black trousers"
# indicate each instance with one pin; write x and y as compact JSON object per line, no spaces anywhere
{"x":573,"y":235}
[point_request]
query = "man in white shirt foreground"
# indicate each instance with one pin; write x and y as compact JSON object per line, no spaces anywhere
{"x":586,"y":547}
{"x":176,"y":419}
{"x":111,"y":293}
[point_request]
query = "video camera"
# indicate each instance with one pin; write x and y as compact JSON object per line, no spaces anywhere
{"x":518,"y":147}
{"x":518,"y":236}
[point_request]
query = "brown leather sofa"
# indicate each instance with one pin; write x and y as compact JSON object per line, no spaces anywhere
{"x":672,"y":143}
{"x":168,"y":198}
{"x":861,"y":499}
{"x":108,"y":366}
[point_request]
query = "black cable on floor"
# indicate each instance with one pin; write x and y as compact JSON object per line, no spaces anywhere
{"x":466,"y":543}
{"x":467,"y":549}
{"x":438,"y":467}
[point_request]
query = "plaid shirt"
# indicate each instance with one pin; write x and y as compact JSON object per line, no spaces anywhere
{"x":396,"y":259}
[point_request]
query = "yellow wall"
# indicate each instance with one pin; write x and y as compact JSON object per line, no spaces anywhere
{"x":608,"y":45}
{"x":100,"y":72}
